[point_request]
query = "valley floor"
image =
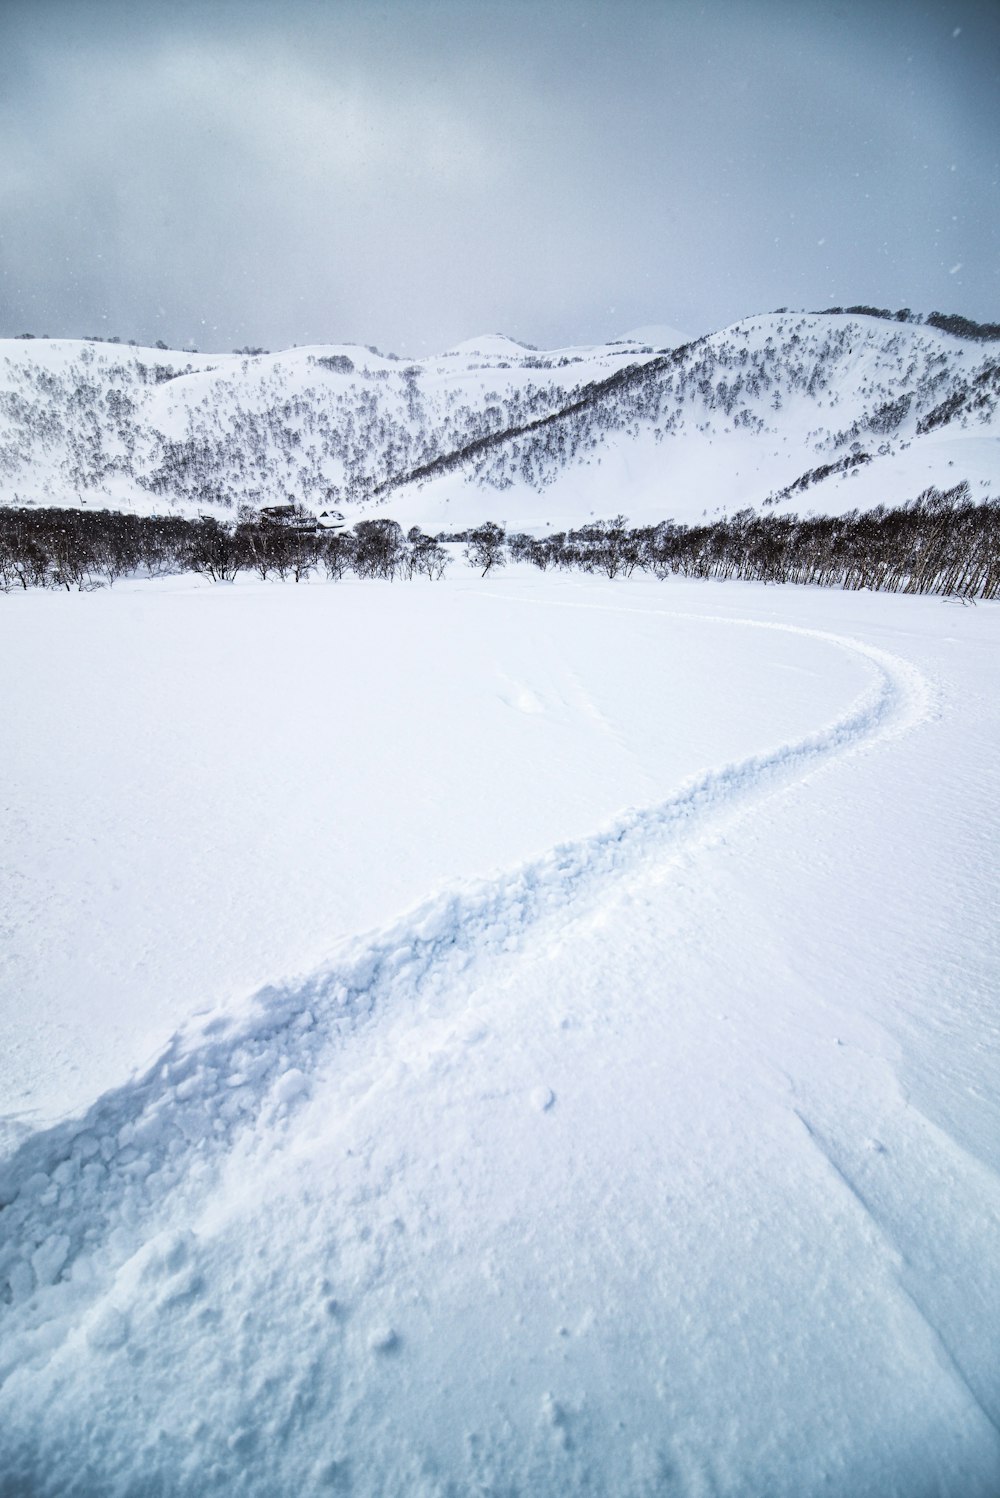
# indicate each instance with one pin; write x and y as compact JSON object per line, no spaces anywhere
{"x":652,"y":1148}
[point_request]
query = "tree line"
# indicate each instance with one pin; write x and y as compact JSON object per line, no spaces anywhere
{"x":940,"y":543}
{"x":86,"y":549}
{"x":945,"y":322}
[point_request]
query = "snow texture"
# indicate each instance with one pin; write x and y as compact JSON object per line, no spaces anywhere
{"x":660,"y":1161}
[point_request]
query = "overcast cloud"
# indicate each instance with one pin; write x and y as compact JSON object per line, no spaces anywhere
{"x":410,"y":173}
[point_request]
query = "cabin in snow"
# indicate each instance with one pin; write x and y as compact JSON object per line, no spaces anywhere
{"x":331,"y":520}
{"x":294,"y":517}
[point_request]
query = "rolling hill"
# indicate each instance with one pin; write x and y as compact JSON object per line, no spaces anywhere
{"x":821,"y":412}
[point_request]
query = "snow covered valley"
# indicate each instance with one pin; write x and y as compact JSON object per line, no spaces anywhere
{"x":525,"y":1035}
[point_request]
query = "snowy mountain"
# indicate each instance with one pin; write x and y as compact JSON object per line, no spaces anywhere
{"x":808,"y":412}
{"x":660,"y":335}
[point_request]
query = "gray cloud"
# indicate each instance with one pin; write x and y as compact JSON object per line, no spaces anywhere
{"x":410,"y":173}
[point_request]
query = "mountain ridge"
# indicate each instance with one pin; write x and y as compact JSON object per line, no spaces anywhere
{"x":853,"y":407}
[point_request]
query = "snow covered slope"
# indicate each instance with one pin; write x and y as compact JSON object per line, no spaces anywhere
{"x":148,"y":429}
{"x":657,"y":335}
{"x":822,"y":412}
{"x":855,"y":410}
{"x":662,"y":1158}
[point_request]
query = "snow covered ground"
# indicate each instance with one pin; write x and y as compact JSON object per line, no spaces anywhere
{"x":527,"y":1035}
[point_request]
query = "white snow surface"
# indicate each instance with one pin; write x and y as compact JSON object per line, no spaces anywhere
{"x":530,"y":1035}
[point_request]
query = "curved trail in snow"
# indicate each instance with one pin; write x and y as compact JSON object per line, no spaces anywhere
{"x":78,"y":1200}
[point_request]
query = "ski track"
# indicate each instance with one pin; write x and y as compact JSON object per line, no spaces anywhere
{"x":79,"y":1199}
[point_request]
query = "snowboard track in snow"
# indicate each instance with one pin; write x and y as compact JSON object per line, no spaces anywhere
{"x":80,"y":1198}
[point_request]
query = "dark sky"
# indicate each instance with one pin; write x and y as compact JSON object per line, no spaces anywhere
{"x":413,"y":172}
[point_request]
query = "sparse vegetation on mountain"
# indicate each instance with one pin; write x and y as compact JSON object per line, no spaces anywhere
{"x":104,"y":423}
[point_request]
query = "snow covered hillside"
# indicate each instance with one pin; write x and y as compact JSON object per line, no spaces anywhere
{"x":532,"y":1035}
{"x":807,"y":412}
{"x":126,"y":427}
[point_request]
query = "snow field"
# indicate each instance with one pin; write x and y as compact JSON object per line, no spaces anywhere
{"x":204,"y":1094}
{"x":232,"y":780}
{"x":636,"y":1168}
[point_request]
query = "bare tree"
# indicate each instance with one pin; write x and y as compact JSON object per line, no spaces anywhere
{"x":430,"y":559}
{"x":338,"y":554}
{"x":487,"y":547}
{"x":215,"y":552}
{"x":378,"y":548}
